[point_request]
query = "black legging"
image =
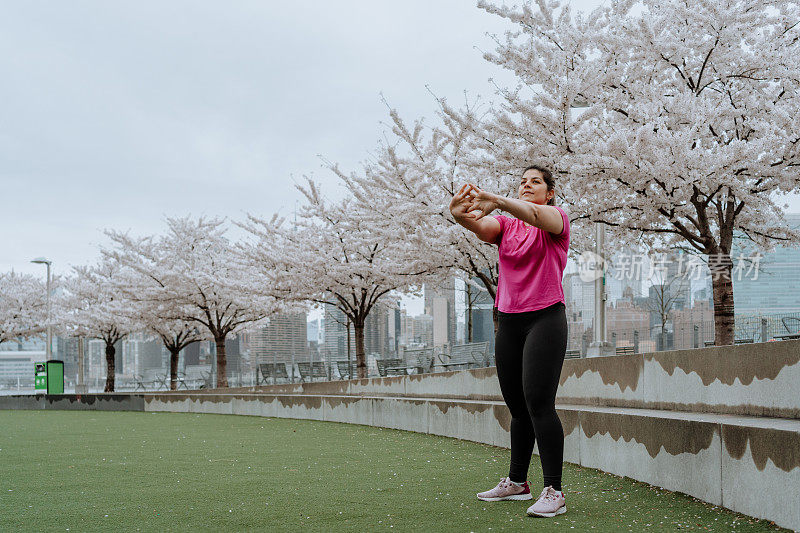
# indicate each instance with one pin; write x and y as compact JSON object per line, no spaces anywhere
{"x":529,"y":350}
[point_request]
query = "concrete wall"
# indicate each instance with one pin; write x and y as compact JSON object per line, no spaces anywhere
{"x":750,"y":379}
{"x":720,"y":424}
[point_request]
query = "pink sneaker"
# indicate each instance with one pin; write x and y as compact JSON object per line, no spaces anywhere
{"x":551,"y":502}
{"x":505,"y":490}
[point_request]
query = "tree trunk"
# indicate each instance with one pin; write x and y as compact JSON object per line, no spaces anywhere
{"x":361,"y":360}
{"x":349,"y":355}
{"x":469,"y":312}
{"x":173,"y":369}
{"x":722,"y":287}
{"x":110,"y":352}
{"x":222,"y":376}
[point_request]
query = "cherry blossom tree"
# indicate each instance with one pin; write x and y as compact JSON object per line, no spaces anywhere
{"x":22,"y":306}
{"x":157,"y":317}
{"x":415,"y":172}
{"x":336,"y":255}
{"x":407,"y":188}
{"x":92,"y":306}
{"x":193,"y":276}
{"x":691,"y":131}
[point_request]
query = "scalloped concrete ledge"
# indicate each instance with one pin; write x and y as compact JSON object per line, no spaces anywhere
{"x":750,"y":379}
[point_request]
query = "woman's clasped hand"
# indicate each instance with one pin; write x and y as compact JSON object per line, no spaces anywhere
{"x":473,"y":202}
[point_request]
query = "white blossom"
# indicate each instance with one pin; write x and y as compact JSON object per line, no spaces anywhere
{"x":336,"y":255}
{"x":692,"y":125}
{"x":23,"y":311}
{"x":191,"y":276}
{"x":92,"y":306}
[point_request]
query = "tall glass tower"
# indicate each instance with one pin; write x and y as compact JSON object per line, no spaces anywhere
{"x":776,"y":288}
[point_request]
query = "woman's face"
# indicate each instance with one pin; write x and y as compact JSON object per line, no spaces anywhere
{"x":532,"y":188}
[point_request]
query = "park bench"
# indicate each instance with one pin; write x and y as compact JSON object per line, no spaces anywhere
{"x":208,"y":380}
{"x":391,"y":367}
{"x":180,"y":381}
{"x":624,"y":350}
{"x":347,"y":369}
{"x":791,"y":334}
{"x":272,"y":371}
{"x":309,"y":371}
{"x":163,"y":380}
{"x":735,"y":341}
{"x":419,"y":359}
{"x":469,"y":355}
{"x":140,"y":382}
{"x":572,"y":354}
{"x":425,"y":361}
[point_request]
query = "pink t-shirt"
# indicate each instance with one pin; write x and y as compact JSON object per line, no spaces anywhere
{"x":532,"y":263}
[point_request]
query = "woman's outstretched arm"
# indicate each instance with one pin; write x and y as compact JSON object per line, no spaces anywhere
{"x":487,"y":228}
{"x":545,"y":217}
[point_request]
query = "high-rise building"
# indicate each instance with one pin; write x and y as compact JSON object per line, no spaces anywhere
{"x":284,"y":337}
{"x":151,"y":355}
{"x":376,"y":331}
{"x":440,"y":303}
{"x":626,"y":324}
{"x":382,"y":332}
{"x":191,"y":354}
{"x":96,"y":366}
{"x":312,"y":330}
{"x":693,"y":326}
{"x":334,"y":345}
{"x":66,"y":349}
{"x":393,"y":325}
{"x":406,"y":328}
{"x":482,"y":313}
{"x":773,"y":287}
{"x":483,"y":324}
{"x":625,"y":271}
{"x":233,"y":355}
{"x":422,"y":330}
{"x":678,"y":280}
{"x":16,"y":367}
{"x":579,"y":300}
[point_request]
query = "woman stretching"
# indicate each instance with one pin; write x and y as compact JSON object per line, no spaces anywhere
{"x":531,"y":338}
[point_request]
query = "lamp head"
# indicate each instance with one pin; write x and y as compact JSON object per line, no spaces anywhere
{"x":41,"y":261}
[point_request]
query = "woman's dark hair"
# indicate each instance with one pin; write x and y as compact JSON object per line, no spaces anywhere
{"x":548,"y":179}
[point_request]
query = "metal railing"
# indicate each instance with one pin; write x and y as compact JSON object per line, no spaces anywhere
{"x":689,"y":335}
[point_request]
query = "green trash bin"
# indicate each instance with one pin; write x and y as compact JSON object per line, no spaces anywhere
{"x":40,"y":378}
{"x":55,"y":377}
{"x":49,"y":377}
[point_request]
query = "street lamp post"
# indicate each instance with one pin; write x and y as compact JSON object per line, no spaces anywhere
{"x":599,"y":346}
{"x":81,"y":388}
{"x":48,"y":347}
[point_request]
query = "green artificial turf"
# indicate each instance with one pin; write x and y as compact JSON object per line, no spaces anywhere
{"x":109,"y":471}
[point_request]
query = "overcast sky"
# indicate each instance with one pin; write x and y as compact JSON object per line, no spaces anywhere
{"x":116,"y":114}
